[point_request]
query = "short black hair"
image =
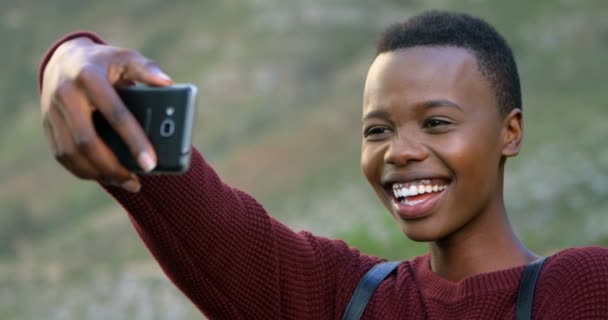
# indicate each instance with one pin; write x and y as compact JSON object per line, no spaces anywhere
{"x":439,"y":28}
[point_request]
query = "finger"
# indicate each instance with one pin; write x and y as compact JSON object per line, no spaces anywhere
{"x":131,"y":185}
{"x":102,"y":95}
{"x":64,"y":149}
{"x":49,"y":134}
{"x":141,"y":69}
{"x":76,"y":112}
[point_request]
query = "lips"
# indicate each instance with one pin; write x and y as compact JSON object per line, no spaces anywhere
{"x":414,"y":199}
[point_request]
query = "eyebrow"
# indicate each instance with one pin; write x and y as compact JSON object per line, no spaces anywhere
{"x":439,"y":103}
{"x":376,"y":114}
{"x":430,"y":104}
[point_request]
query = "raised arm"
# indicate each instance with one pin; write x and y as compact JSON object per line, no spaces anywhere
{"x":216,"y":243}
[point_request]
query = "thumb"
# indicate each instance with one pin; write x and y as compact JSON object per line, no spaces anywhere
{"x":143,"y":70}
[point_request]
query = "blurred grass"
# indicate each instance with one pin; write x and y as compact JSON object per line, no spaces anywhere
{"x":279,"y":115}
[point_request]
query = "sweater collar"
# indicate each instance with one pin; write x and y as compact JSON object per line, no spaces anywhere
{"x":437,"y":287}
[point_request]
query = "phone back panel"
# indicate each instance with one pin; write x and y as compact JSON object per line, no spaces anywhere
{"x":166,"y":115}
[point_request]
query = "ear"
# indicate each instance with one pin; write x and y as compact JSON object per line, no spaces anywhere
{"x":512,"y":133}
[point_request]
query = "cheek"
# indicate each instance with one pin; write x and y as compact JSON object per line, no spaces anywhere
{"x":475,"y":153}
{"x":370,"y":164}
{"x":474,"y":160}
{"x":364,"y":163}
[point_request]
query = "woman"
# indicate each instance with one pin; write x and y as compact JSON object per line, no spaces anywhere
{"x":442,"y":112}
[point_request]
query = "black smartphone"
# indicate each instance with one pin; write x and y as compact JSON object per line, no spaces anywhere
{"x":166,"y":114}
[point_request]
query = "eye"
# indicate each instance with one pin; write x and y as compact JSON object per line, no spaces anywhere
{"x":437,"y":125}
{"x":376,"y":132}
{"x":435,"y":122}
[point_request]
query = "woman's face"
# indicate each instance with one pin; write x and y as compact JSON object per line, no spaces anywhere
{"x":433,"y":139}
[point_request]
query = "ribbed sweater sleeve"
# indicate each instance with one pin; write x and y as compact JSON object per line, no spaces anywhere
{"x":231,"y":258}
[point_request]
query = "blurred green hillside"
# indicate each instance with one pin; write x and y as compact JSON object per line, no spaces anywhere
{"x":279,"y":116}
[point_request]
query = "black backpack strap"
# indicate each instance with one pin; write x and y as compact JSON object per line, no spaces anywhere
{"x":366,"y":288}
{"x":525,"y":294}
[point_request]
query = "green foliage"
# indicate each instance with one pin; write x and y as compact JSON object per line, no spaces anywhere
{"x":387,"y":241}
{"x":16,"y":225}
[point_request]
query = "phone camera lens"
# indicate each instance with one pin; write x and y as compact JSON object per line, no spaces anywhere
{"x":167,"y":128}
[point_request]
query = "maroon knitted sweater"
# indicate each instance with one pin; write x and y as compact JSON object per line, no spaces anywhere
{"x":234,"y":261}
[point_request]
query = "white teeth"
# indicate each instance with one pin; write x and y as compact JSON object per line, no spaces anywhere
{"x":413,"y":191}
{"x":421,"y":189}
{"x":407,"y":192}
{"x":411,"y":203}
{"x":400,"y":190}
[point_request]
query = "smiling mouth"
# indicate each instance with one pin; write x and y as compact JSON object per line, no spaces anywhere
{"x":411,"y":193}
{"x":416,"y":198}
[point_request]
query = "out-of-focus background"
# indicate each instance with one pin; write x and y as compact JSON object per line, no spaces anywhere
{"x":279,"y":116}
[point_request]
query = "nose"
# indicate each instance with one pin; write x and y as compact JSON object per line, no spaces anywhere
{"x":404,"y":150}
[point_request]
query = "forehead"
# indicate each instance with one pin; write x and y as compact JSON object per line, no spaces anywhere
{"x":419,"y":74}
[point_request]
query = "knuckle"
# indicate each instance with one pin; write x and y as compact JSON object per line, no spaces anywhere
{"x":127,"y":53}
{"x":118,"y":115}
{"x":88,"y":73}
{"x":107,"y":169}
{"x":102,"y":178}
{"x":138,"y":61}
{"x":63,"y":92}
{"x":60,"y":157}
{"x":112,"y":172}
{"x":149,"y":64}
{"x":63,"y":156}
{"x":84,"y":141}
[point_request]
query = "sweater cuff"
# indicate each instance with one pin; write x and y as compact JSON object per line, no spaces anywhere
{"x":49,"y":53}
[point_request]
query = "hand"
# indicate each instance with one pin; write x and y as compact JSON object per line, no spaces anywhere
{"x":80,"y":78}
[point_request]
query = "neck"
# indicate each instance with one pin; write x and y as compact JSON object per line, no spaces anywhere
{"x":485,"y":244}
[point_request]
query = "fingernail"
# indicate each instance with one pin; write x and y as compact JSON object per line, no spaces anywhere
{"x":131,"y":186}
{"x":146,"y":162}
{"x":161,"y":74}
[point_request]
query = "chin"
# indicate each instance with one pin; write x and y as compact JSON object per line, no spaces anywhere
{"x":419,"y":237}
